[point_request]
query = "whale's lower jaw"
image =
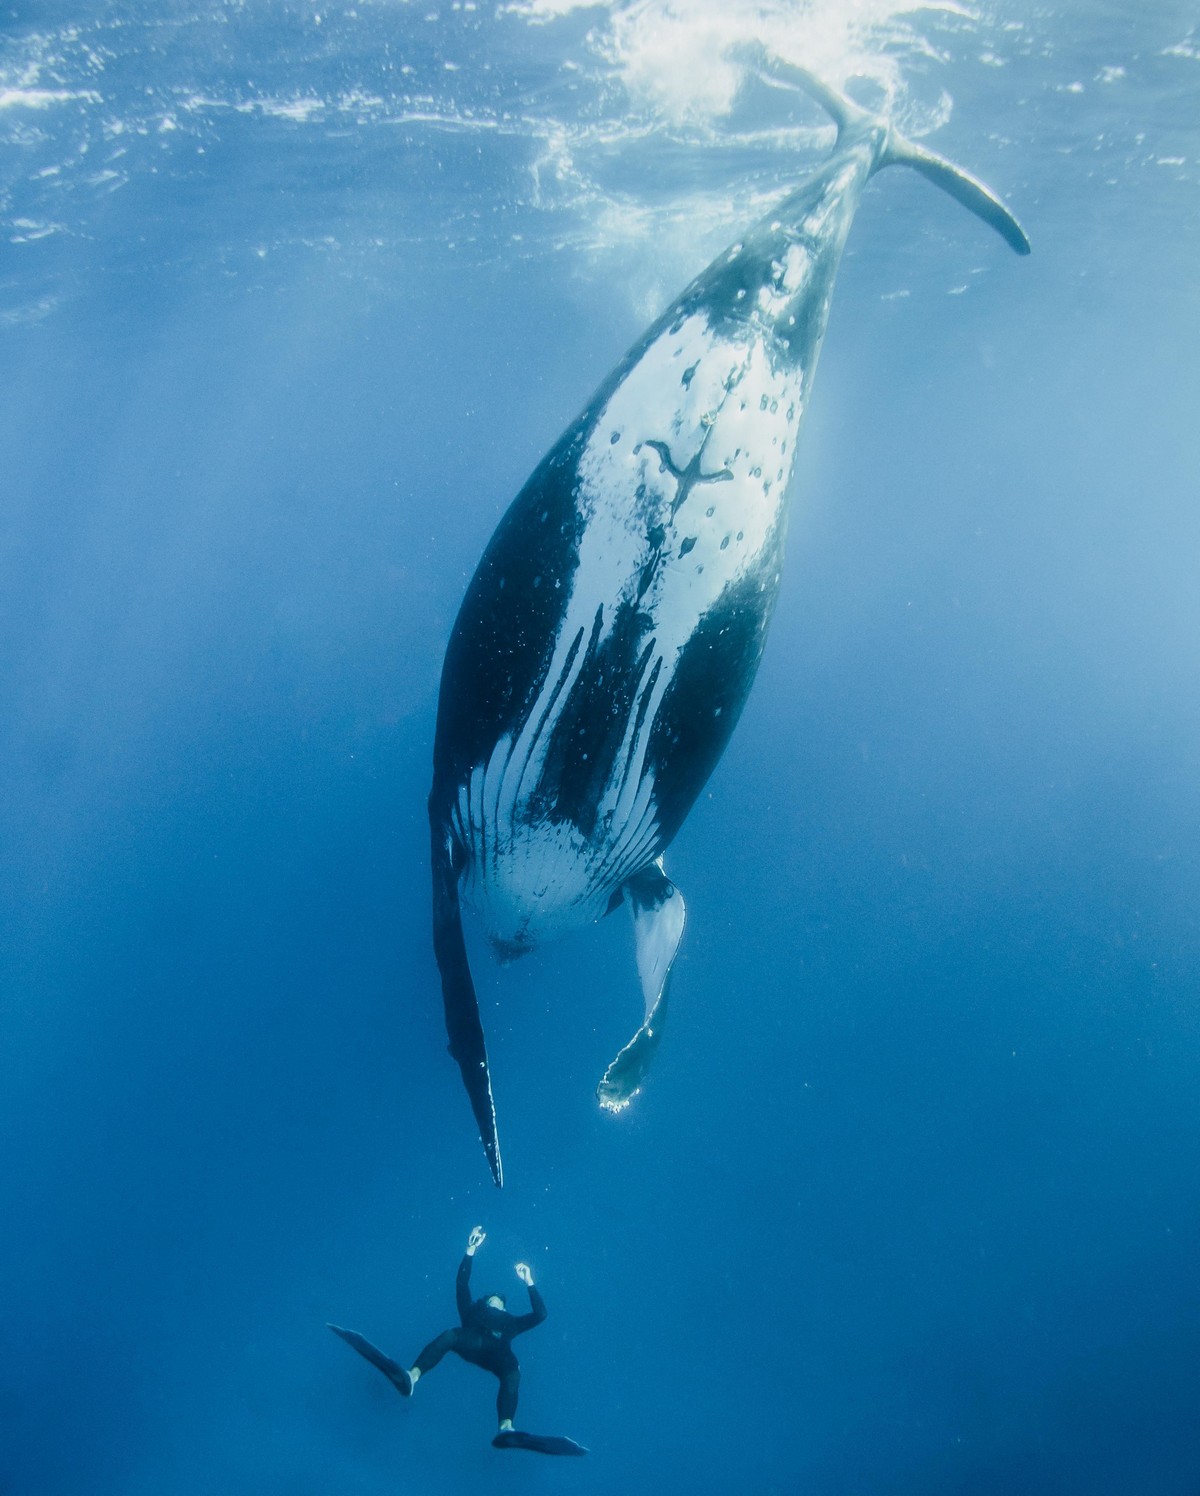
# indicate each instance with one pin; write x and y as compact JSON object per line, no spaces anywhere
{"x":543,"y":879}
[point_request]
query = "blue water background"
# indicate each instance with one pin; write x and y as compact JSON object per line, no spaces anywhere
{"x":910,"y":1204}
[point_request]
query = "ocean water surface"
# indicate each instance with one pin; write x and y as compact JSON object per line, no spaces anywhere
{"x":293,"y":297}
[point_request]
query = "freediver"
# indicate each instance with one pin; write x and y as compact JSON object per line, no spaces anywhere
{"x":484,"y":1338}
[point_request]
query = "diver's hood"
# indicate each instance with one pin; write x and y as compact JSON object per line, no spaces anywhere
{"x":488,"y":1316}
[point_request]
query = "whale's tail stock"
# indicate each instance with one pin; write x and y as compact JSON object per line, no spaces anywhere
{"x":896,"y":149}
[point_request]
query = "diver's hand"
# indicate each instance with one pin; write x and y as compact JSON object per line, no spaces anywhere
{"x":476,"y":1240}
{"x":524,"y":1274}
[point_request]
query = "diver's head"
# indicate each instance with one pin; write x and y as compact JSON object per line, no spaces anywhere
{"x":494,"y":1301}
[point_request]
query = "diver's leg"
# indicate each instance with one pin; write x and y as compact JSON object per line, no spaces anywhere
{"x":508,"y":1437}
{"x":506,"y":1397}
{"x":432,"y":1354}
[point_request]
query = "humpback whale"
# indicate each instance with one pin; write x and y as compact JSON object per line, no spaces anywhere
{"x":611,"y":633}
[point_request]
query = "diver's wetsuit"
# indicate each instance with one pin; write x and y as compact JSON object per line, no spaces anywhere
{"x":485,"y":1338}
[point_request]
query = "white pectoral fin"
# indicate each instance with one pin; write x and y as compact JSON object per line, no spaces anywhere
{"x":658,"y":914}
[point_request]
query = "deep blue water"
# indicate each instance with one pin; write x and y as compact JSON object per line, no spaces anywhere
{"x":910,"y":1204}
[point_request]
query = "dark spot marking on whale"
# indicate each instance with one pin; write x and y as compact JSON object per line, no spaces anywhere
{"x":686,"y":546}
{"x":689,"y":374}
{"x":656,"y":537}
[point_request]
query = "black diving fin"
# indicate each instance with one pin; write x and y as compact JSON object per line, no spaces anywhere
{"x":515,"y":1438}
{"x":395,"y":1373}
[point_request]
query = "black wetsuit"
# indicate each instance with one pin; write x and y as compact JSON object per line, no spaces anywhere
{"x":485,"y":1338}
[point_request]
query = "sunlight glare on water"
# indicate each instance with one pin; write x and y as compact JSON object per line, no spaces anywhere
{"x":591,"y":125}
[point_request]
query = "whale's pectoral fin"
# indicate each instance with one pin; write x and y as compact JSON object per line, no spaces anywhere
{"x":658,"y":918}
{"x":463,"y":1027}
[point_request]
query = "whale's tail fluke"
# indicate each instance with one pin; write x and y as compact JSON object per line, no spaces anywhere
{"x":895,"y":149}
{"x":961,"y":185}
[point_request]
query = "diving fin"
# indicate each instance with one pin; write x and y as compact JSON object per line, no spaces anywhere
{"x":395,"y":1373}
{"x":515,"y":1438}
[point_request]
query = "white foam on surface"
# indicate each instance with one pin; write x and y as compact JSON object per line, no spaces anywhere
{"x":630,"y":136}
{"x":594,"y":113}
{"x":46,"y":98}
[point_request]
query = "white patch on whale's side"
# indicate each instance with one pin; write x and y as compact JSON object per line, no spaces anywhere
{"x":690,"y":459}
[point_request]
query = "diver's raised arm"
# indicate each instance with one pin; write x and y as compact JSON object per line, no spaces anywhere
{"x":462,"y":1283}
{"x":537,"y":1309}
